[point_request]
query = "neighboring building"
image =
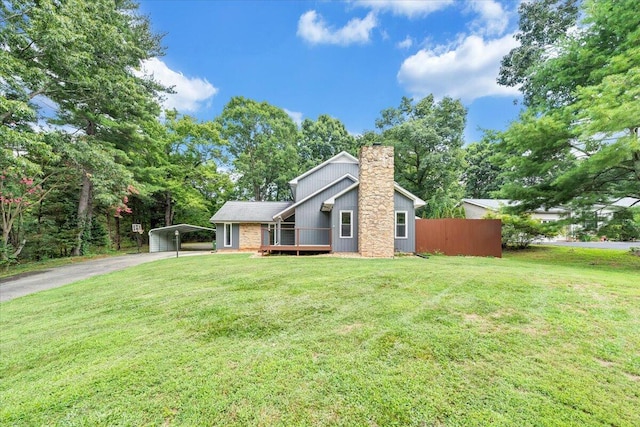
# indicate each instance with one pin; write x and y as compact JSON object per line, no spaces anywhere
{"x":479,"y":208}
{"x":601,"y":214}
{"x":341,"y":205}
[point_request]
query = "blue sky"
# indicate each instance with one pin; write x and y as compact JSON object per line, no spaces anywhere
{"x":348,"y":59}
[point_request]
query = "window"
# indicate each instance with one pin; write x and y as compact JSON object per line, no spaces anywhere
{"x":346,"y":224}
{"x":401,"y":225}
{"x":227,"y":234}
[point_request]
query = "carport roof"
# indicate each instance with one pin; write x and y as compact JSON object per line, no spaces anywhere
{"x":261,"y":212}
{"x":182,"y":228}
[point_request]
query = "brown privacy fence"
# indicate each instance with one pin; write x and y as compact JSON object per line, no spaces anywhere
{"x":474,"y":237}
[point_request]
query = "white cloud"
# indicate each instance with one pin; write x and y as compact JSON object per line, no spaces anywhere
{"x":190,"y":92}
{"x":295,"y":116}
{"x":408,"y":8}
{"x":492,"y":18}
{"x":467,"y":71}
{"x":406,"y":43}
{"x":313,"y":29}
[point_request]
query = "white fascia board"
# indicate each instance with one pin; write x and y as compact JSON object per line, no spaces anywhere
{"x":331,"y":184}
{"x":327,"y":205}
{"x":417,"y":201}
{"x":348,"y":158}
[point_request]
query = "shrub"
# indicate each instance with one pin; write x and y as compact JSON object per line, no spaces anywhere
{"x":621,"y":227}
{"x":519,"y":231}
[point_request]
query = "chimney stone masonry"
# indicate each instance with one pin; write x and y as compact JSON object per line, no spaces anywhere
{"x":376,"y":202}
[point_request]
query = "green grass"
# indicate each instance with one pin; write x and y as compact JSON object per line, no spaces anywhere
{"x":233,"y":340}
{"x":587,"y":258}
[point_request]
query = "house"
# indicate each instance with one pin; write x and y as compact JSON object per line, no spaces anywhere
{"x":600,"y":214}
{"x":479,"y":208}
{"x":345,"y":204}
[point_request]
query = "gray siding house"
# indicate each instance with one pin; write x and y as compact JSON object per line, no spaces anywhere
{"x":342,"y":205}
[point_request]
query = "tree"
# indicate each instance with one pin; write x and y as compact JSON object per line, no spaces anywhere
{"x":192,"y":183}
{"x":482,"y":175}
{"x":578,"y":140}
{"x":82,"y":56}
{"x":322,"y":139}
{"x":429,"y":159}
{"x":262,"y":144}
{"x":542,"y":24}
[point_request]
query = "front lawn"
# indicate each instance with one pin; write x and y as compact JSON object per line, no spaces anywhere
{"x":233,"y":340}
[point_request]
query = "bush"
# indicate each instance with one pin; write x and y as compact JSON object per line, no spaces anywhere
{"x":621,"y":227}
{"x":519,"y":231}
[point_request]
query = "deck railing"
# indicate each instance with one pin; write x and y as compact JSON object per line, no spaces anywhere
{"x":298,"y":238}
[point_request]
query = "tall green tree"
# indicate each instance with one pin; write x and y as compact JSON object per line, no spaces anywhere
{"x":542,"y":24}
{"x":192,"y":185}
{"x":482,"y":175}
{"x":578,"y":140}
{"x":262,"y":144}
{"x":322,"y":139}
{"x":82,"y":56}
{"x":429,"y":160}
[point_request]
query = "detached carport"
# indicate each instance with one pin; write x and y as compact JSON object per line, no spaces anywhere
{"x":164,"y":239}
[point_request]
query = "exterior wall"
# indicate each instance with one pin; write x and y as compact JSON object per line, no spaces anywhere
{"x":309,"y":215}
{"x":348,"y":202}
{"x":402,"y":203}
{"x":322,"y":177}
{"x":235,"y":237}
{"x":249,"y":237}
{"x":376,"y":218}
{"x":473,"y":211}
{"x":162,"y":241}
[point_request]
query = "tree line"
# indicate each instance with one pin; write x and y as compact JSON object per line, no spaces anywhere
{"x":87,"y":149}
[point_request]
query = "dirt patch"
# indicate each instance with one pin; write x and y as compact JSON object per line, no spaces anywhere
{"x":346,"y":329}
{"x":605,"y":363}
{"x":633,"y":377}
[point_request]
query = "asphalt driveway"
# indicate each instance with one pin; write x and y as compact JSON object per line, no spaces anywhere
{"x":599,"y":245}
{"x":59,"y":276}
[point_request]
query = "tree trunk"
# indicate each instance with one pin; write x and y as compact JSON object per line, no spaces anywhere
{"x":84,"y":212}
{"x":168,"y":210}
{"x":117,"y":233}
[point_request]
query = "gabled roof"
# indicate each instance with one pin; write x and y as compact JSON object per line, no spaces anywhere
{"x":341,"y":157}
{"x":182,"y":228}
{"x":497,"y":204}
{"x":327,"y":205}
{"x":626,"y":202}
{"x":291,"y":209}
{"x":248,"y":211}
{"x":417,"y":201}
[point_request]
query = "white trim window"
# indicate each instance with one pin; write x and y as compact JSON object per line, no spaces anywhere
{"x":401,"y":225}
{"x":228,"y":235}
{"x":346,"y":224}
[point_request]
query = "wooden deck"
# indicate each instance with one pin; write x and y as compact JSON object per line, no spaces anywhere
{"x":294,"y":248}
{"x":306,"y":244}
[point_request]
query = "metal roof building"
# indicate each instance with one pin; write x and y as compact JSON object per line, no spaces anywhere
{"x":164,"y":239}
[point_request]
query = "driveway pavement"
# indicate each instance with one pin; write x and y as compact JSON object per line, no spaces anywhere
{"x":601,"y":245}
{"x":59,"y":276}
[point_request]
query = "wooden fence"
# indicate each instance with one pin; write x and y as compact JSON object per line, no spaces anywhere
{"x":473,"y":237}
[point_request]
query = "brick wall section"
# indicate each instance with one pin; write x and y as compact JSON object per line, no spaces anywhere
{"x":376,"y":219}
{"x":249,"y":237}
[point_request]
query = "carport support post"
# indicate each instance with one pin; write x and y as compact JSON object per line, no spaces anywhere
{"x":177,"y":233}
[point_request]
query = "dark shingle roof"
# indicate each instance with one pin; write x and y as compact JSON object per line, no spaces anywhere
{"x":248,"y":211}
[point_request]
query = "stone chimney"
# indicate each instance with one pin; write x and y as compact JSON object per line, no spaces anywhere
{"x":376,"y":219}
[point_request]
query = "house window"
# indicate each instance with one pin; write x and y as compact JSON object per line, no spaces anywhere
{"x":227,"y":235}
{"x":401,"y":225}
{"x":346,"y":224}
